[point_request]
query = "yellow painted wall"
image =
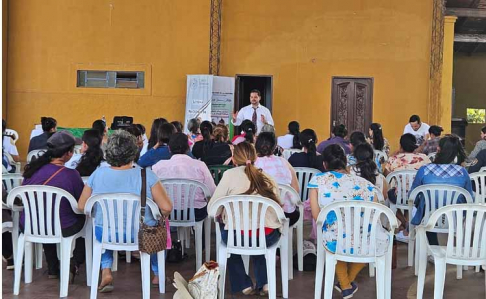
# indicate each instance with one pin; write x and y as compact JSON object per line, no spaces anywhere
{"x":470,"y":90}
{"x":4,"y":57}
{"x":304,"y":43}
{"x":49,"y":38}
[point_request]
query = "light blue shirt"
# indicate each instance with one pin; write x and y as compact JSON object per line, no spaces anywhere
{"x":108,"y":180}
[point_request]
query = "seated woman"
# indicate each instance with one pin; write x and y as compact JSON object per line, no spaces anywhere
{"x":480,"y":145}
{"x":248,"y":132}
{"x":366,"y":168}
{"x":199,"y":149}
{"x":291,"y":139}
{"x":160,"y":151}
{"x":9,"y":147}
{"x":356,"y":139}
{"x":181,"y":166}
{"x":338,"y":134}
{"x":153,"y":134}
{"x":406,"y":159}
{"x":430,"y":145}
{"x":338,"y":185}
{"x":478,"y":162}
{"x":194,"y":134}
{"x":49,"y":126}
{"x":122,"y":177}
{"x":100,"y":126}
{"x":91,"y":156}
{"x":377,"y":140}
{"x":446,"y":169}
{"x":245,"y":178}
{"x":49,"y":170}
{"x":219,"y":152}
{"x":309,"y":156}
{"x":279,"y":169}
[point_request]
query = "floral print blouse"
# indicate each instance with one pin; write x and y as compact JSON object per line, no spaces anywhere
{"x":406,"y":161}
{"x":335,"y":186}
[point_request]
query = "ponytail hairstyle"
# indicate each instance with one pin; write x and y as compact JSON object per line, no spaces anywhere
{"x":248,"y":127}
{"x":308,"y":139}
{"x":378,"y":140}
{"x":244,"y":154}
{"x":93,"y":157}
{"x":206,"y":128}
{"x":365,"y":166}
{"x":334,"y":157}
{"x":153,"y":131}
{"x":48,"y":123}
{"x":221,"y":133}
{"x":451,"y":151}
{"x":51,"y":153}
{"x":265,"y":144}
{"x":294,"y":129}
{"x":100,"y":126}
{"x":437,"y":130}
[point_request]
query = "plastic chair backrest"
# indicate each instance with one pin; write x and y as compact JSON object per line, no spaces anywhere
{"x":286,"y":191}
{"x":35,"y":154}
{"x":11,"y":181}
{"x":12,"y":133}
{"x":117,"y":230}
{"x":432,"y":156}
{"x":403,"y":181}
{"x":289,"y":152}
{"x":467,"y":234}
{"x":4,"y":170}
{"x":217,"y":172}
{"x":437,"y":196}
{"x":358,"y":221}
{"x":483,"y":169}
{"x":253,"y":208}
{"x":381,"y":156}
{"x":41,"y":207}
{"x":479,"y":181}
{"x":182,"y":192}
{"x":304,"y":175}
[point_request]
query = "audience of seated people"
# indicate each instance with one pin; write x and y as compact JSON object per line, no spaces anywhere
{"x":279,"y":169}
{"x":182,"y":166}
{"x":194,"y":133}
{"x":291,"y":139}
{"x":49,"y":126}
{"x":219,"y":150}
{"x":160,"y":151}
{"x":200,"y":147}
{"x":338,"y":134}
{"x":356,"y":139}
{"x":309,"y":157}
{"x":122,"y":177}
{"x":431,"y":144}
{"x":91,"y":156}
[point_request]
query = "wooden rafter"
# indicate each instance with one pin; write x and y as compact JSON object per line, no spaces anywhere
{"x":470,"y":38}
{"x":466,"y":12}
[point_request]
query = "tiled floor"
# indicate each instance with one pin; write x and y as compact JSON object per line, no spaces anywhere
{"x":127,"y":283}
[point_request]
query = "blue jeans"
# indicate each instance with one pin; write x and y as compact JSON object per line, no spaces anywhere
{"x":239,"y":280}
{"x":107,"y":257}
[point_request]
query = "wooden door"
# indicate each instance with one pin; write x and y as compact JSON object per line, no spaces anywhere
{"x":352,"y":103}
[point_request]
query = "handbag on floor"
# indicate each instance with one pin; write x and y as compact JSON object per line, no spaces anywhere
{"x":203,"y":285}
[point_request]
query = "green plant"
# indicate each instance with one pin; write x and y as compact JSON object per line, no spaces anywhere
{"x":476,"y":116}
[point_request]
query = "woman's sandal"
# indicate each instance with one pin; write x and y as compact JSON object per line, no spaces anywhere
{"x":106,"y":288}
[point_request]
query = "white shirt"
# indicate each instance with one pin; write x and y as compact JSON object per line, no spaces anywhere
{"x":286,"y":141}
{"x":247,"y":113}
{"x":419,"y":134}
{"x":8,"y":147}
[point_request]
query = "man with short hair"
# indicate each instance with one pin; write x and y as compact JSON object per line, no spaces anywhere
{"x":417,"y":128}
{"x":255,"y":112}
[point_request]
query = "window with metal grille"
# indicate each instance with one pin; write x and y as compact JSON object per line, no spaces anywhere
{"x":110,"y":79}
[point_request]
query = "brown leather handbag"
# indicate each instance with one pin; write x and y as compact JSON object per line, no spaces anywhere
{"x":151,"y":239}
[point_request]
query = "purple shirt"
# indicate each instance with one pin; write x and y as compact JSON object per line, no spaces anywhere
{"x":334,"y":140}
{"x":67,"y":179}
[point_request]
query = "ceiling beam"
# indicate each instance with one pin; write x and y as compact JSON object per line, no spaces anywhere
{"x":466,"y":12}
{"x":470,"y":38}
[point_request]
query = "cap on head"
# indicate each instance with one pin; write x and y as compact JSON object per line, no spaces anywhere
{"x":61,"y":139}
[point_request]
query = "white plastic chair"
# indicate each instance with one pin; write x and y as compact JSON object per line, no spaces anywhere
{"x":285,"y":191}
{"x":289,"y":152}
{"x":255,"y":207}
{"x":483,"y":169}
{"x":114,"y":227}
{"x":352,"y":224}
{"x":304,"y":175}
{"x":35,"y":154}
{"x":11,"y":132}
{"x":479,"y":180}
{"x":9,"y":182}
{"x":182,"y":192}
{"x":432,"y":156}
{"x":435,"y":197}
{"x":466,"y":242}
{"x":403,"y":180}
{"x":381,"y":156}
{"x":11,"y":161}
{"x":41,"y":229}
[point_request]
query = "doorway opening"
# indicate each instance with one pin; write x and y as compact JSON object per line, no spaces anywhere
{"x":246,"y":83}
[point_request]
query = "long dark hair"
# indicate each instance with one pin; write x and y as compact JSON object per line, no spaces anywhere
{"x":51,"y":153}
{"x":265,"y":144}
{"x":483,"y":129}
{"x":48,"y":123}
{"x":248,"y":127}
{"x":308,"y":139}
{"x":99,"y":125}
{"x":153,"y":131}
{"x":164,"y":132}
{"x":365,"y":166}
{"x":334,"y":157}
{"x":93,"y":157}
{"x":378,"y":140}
{"x":206,"y":129}
{"x":294,"y":129}
{"x":357,"y":138}
{"x":450,"y":149}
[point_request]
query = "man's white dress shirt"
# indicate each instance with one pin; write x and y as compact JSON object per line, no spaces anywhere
{"x":247,"y":113}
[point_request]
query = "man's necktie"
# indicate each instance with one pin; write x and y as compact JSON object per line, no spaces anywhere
{"x":254,"y":119}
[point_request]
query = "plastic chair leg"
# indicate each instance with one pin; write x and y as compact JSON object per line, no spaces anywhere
{"x":380,"y":277}
{"x":198,"y":238}
{"x":418,"y":247}
{"x":319,"y":271}
{"x":271,"y":275}
{"x":246,"y":263}
{"x":222,"y":259}
{"x":388,"y":275}
{"x":459,"y":272}
{"x":207,"y":239}
{"x":66,"y":246}
{"x":161,"y":264}
{"x":15,"y":232}
{"x":371,"y":267}
{"x":284,"y":264}
{"x":411,"y":245}
{"x":145,"y":267}
{"x":18,"y":264}
{"x":291,"y":253}
{"x":329,"y":279}
{"x":89,"y":254}
{"x":440,"y":273}
{"x":300,"y":246}
{"x":28,"y":262}
{"x":128,"y":257}
{"x":38,"y":255}
{"x":95,"y":270}
{"x":114,"y":267}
